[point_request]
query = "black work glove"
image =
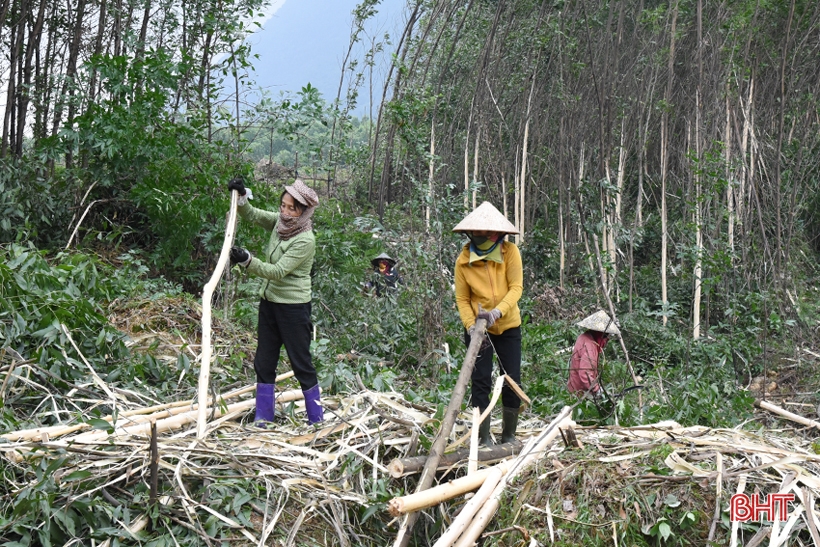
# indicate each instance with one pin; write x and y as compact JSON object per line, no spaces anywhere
{"x":238,"y":184}
{"x":240,"y":256}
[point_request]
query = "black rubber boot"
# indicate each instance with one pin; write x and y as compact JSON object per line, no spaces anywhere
{"x":510,"y":421}
{"x":484,"y":438}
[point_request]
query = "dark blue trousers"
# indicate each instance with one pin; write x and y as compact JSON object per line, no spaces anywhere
{"x":286,"y":325}
{"x":507,"y":346}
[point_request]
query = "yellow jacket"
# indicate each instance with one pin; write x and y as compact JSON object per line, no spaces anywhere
{"x":491,"y":284}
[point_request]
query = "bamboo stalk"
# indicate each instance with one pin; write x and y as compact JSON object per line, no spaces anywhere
{"x":207,"y":296}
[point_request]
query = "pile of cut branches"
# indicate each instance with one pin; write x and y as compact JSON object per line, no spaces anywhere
{"x":333,"y":484}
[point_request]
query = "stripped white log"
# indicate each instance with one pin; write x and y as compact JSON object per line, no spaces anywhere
{"x":473,"y":524}
{"x":207,"y":296}
{"x":455,"y":530}
{"x":16,"y":453}
{"x":443,"y":492}
{"x":146,"y":414}
{"x":741,"y":486}
{"x":765,"y":405}
{"x":472,"y":464}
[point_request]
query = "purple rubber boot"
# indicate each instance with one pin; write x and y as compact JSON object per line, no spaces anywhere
{"x":315,"y":413}
{"x":265,"y":399}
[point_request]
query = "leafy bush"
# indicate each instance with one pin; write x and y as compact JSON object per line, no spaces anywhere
{"x":34,"y":206}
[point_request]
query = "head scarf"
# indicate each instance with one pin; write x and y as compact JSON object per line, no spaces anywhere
{"x":482,"y":248}
{"x":601,"y":338}
{"x":289,"y":226}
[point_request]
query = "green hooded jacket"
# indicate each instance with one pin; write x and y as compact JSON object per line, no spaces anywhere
{"x":286,"y":265}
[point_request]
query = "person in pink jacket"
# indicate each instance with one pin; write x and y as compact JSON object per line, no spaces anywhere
{"x":583,"y":365}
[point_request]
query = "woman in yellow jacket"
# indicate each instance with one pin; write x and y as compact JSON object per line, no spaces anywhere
{"x":489,"y":280}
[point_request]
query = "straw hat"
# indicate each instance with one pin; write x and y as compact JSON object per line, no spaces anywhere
{"x":601,"y":322}
{"x":303,"y":194}
{"x":383,"y":256}
{"x":486,"y":218}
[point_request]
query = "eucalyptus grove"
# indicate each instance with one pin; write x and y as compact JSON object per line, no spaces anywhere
{"x":680,"y":134}
{"x":64,"y":59}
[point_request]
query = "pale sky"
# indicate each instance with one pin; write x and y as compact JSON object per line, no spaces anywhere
{"x":305,"y":41}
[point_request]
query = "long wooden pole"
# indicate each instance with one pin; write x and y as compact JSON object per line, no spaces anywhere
{"x":401,"y":467}
{"x":437,"y":449}
{"x":207,"y":296}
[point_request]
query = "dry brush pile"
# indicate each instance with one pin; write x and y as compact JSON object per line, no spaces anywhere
{"x":614,"y":485}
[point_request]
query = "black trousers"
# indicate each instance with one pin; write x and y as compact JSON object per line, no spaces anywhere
{"x":507,"y":346}
{"x":288,"y":325}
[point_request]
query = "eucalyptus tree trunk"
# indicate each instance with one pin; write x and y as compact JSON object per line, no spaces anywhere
{"x":579,"y":205}
{"x":562,"y":250}
{"x":32,"y":45}
{"x":430,"y":185}
{"x":45,"y":80}
{"x":4,"y":9}
{"x":16,"y":39}
{"x":467,"y":166}
{"x":98,"y":43}
{"x":475,"y":162}
{"x":402,"y":53}
{"x":523,"y":189}
{"x":698,"y":269}
{"x":616,"y":213}
{"x":361,"y":13}
{"x":783,"y":96}
{"x":730,"y":190}
{"x":665,"y":160}
{"x":71,"y":73}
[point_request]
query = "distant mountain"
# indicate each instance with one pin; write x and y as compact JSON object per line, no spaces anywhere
{"x":306,"y":41}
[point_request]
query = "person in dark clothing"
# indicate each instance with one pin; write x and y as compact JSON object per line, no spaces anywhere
{"x":384,"y":277}
{"x":284,"y":307}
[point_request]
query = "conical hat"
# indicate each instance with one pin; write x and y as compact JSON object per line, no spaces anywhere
{"x":383,"y":256}
{"x":601,"y":322}
{"x":486,"y":217}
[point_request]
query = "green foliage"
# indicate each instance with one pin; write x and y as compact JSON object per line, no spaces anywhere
{"x":34,"y":206}
{"x":40,"y":301}
{"x":49,"y":304}
{"x":150,"y":166}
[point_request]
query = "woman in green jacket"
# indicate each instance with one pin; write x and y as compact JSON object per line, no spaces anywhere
{"x":284,"y":307}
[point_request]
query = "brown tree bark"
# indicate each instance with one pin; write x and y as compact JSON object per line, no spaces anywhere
{"x":32,"y":44}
